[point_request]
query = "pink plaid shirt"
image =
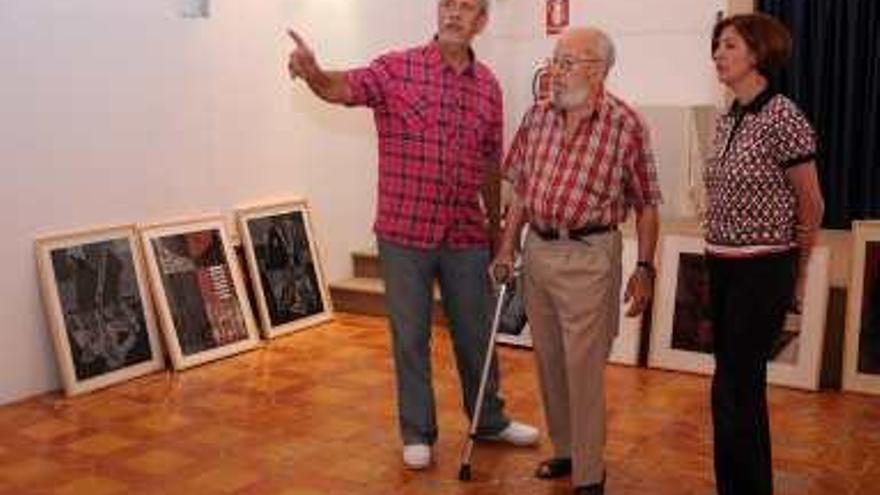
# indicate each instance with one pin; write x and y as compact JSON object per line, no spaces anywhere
{"x":592,"y":180}
{"x":440,"y":133}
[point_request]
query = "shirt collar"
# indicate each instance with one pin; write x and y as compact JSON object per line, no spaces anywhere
{"x":756,"y":105}
{"x":599,"y":109}
{"x":435,"y":57}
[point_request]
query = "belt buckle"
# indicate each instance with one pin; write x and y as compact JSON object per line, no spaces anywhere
{"x":564,"y":234}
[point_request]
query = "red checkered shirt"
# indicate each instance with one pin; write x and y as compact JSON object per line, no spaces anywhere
{"x":606,"y":167}
{"x":440,"y":133}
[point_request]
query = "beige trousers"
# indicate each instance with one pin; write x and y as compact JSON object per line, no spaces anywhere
{"x":572,"y":299}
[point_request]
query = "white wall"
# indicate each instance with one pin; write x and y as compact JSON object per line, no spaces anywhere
{"x":662,"y":47}
{"x":115,"y":112}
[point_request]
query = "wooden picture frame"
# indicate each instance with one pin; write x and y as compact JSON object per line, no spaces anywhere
{"x":98,"y":307}
{"x":625,"y":348}
{"x":681,"y":330}
{"x":861,"y":363}
{"x":199,"y":291}
{"x":285,"y":268}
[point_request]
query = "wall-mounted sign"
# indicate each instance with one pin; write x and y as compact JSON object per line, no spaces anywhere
{"x":556,"y":16}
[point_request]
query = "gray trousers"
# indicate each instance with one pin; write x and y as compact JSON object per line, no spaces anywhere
{"x":409,"y":276}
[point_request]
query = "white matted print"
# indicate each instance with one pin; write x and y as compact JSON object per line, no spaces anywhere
{"x":199,"y":291}
{"x":861,"y":365}
{"x":98,"y":307}
{"x":681,"y":334}
{"x":285,"y":267}
{"x":625,"y":349}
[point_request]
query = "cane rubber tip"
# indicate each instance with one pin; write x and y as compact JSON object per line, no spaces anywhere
{"x":464,"y":473}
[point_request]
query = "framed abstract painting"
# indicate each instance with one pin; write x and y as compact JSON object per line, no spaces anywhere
{"x":284,"y":264}
{"x":625,"y":348}
{"x":98,"y":307}
{"x":682,"y":335}
{"x":861,"y":364}
{"x":199,"y":291}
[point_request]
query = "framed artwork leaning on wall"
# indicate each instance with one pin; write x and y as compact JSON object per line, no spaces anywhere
{"x":682,"y":336}
{"x":199,"y":291}
{"x":861,"y":364}
{"x":625,"y":347}
{"x":284,"y":264}
{"x":98,"y":307}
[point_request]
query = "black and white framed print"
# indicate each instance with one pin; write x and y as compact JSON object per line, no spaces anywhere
{"x":861,"y":365}
{"x":682,"y":336}
{"x":625,"y":348}
{"x":98,"y":307}
{"x":199,"y":291}
{"x":284,"y":263}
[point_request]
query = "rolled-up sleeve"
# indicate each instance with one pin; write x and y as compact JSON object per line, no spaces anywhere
{"x":795,"y":140}
{"x":641,"y":187}
{"x":368,"y":84}
{"x":513,"y":169}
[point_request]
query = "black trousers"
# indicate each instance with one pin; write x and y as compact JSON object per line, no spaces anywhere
{"x":749,"y":299}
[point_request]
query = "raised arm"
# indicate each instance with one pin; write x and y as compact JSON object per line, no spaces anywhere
{"x":330,"y":86}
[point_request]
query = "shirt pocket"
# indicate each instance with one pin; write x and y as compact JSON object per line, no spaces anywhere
{"x":475,"y":133}
{"x":414,"y":108}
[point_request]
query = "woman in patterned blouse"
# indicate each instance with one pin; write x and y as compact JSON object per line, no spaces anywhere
{"x":764,"y":209}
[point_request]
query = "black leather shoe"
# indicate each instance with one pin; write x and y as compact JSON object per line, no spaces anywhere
{"x":556,"y":467}
{"x":592,"y":489}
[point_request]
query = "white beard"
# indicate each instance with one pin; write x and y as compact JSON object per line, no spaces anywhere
{"x":571,"y":98}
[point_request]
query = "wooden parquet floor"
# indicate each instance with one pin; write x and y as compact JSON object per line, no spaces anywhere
{"x":313,"y":413}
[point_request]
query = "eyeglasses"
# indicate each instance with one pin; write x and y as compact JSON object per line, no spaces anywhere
{"x":467,"y":7}
{"x":566,"y":64}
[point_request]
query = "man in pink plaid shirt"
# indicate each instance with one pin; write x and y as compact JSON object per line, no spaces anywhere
{"x":439,"y":118}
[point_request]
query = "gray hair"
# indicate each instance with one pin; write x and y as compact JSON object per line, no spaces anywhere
{"x":597,"y":38}
{"x":483,"y":4}
{"x":606,"y":46}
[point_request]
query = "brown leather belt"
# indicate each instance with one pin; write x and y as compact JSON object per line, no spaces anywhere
{"x":574,"y":234}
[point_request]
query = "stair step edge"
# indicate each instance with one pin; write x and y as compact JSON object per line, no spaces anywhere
{"x":369,"y":285}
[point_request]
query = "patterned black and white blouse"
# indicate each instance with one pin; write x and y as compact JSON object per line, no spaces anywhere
{"x":752,"y":207}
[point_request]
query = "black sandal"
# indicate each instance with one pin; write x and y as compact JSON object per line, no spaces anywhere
{"x":556,"y":467}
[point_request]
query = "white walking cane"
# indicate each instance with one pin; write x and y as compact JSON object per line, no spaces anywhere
{"x":499,"y":273}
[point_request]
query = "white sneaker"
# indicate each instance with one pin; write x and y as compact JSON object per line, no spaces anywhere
{"x":519,"y":434}
{"x":417,"y":456}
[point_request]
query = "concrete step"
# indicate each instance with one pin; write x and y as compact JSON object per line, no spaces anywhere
{"x":364,"y":295}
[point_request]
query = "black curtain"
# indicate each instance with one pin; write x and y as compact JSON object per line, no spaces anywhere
{"x":834,"y":76}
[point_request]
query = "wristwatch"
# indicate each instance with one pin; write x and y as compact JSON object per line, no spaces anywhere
{"x":648,"y":267}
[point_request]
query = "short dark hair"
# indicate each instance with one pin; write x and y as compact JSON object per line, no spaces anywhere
{"x":765,"y":36}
